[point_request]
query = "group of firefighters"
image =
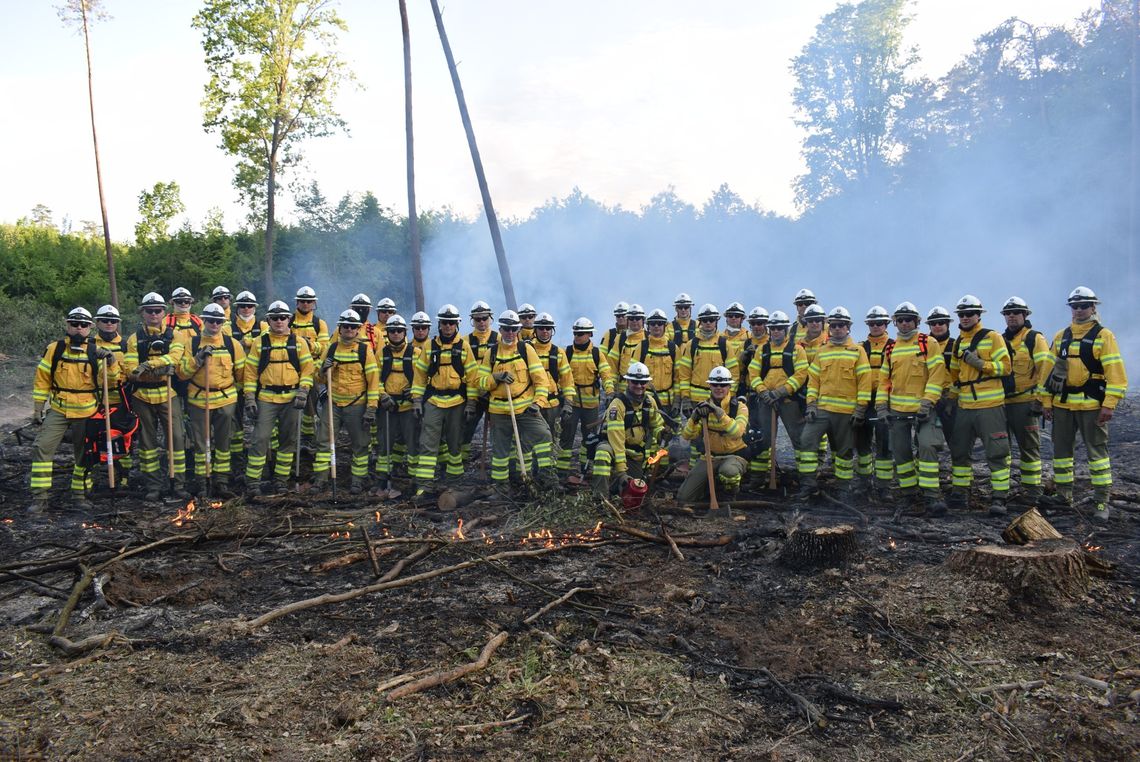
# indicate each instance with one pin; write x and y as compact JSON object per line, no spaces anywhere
{"x":882,"y":408}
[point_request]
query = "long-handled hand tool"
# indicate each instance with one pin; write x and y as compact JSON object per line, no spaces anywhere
{"x":297,"y":451}
{"x":209,"y":438}
{"x":107,"y":428}
{"x":170,"y":429}
{"x":713,"y":505}
{"x":772,"y":449}
{"x":518,"y":440}
{"x":332,"y":431}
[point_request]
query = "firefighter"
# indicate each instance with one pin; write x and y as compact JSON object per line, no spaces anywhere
{"x":385,"y":308}
{"x":684,"y":328}
{"x":808,"y":330}
{"x":706,"y":351}
{"x":727,"y":420}
{"x":803,"y":299}
{"x":527,"y":315}
{"x":512,"y":368}
{"x":911,"y":379}
{"x":107,"y":324}
{"x":628,"y":345}
{"x":398,"y":427}
{"x":592,"y":377}
{"x":632,"y":425}
{"x":315,"y":332}
{"x":1084,"y":387}
{"x":938,"y":320}
{"x":351,"y":402}
{"x":978,"y":361}
{"x":279,"y":374}
{"x":560,"y":382}
{"x":69,"y":384}
{"x":444,"y":380}
{"x":361,"y":304}
{"x":659,"y":354}
{"x":734,"y":331}
{"x":1024,"y":404}
{"x":481,"y":339}
{"x":153,"y":354}
{"x":222,"y":297}
{"x":839,"y":390}
{"x":777,"y":376}
{"x":246,"y":328}
{"x":757,"y":337}
{"x":181,"y":319}
{"x":612,"y":334}
{"x":219,"y":390}
{"x":872,"y":440}
{"x":421,"y":331}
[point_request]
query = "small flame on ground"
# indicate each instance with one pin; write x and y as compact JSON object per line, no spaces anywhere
{"x":891,"y":543}
{"x":9,"y":521}
{"x":87,"y":525}
{"x":216,"y":505}
{"x":377,"y":517}
{"x":547,"y":539}
{"x":1093,"y":548}
{"x":340,"y":535}
{"x":184,"y":515}
{"x":458,"y":533}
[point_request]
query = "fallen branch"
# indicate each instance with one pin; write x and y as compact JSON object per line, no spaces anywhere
{"x":78,"y":648}
{"x":1028,"y":685}
{"x":555,"y":603}
{"x":499,"y":724}
{"x":696,"y":542}
{"x":834,"y":501}
{"x":451,"y":675}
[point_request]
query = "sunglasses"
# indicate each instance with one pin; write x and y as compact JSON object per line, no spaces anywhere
{"x":511,"y":329}
{"x":183,"y":301}
{"x":1082,"y":306}
{"x":720,"y":386}
{"x":306,"y":301}
{"x":277,"y":318}
{"x":711,"y":321}
{"x":879,"y":323}
{"x":78,"y":324}
{"x":449,"y":322}
{"x":906,"y":320}
{"x":397,"y":330}
{"x":638,"y":383}
{"x":154,"y":311}
{"x":813,"y":320}
{"x":970,"y":313}
{"x":480,"y":318}
{"x":111,"y":321}
{"x":213,"y":321}
{"x":348,"y":327}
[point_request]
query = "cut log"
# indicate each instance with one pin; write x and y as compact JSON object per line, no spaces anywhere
{"x":1029,"y":527}
{"x":1048,"y":574}
{"x":453,"y":500}
{"x":820,"y":547}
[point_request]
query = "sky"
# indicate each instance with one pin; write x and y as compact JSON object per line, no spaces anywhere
{"x":620,"y":99}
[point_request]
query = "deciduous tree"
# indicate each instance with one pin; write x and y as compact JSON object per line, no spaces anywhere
{"x":157,"y":209}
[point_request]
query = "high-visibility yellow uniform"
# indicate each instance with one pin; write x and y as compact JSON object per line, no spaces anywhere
{"x":630,"y":429}
{"x":397,"y":373}
{"x":73,"y":388}
{"x":1030,"y":363}
{"x":839,"y":378}
{"x":246,"y":330}
{"x":979,"y":389}
{"x":186,"y":325}
{"x":521,"y":361}
{"x":609,"y":338}
{"x":276,"y":366}
{"x":591,"y":373}
{"x":726,"y":434}
{"x":445,"y":374}
{"x":660,"y":356}
{"x":355,"y":372}
{"x":481,"y":342}
{"x":811,"y":346}
{"x":1104,"y":351}
{"x":696,"y":359}
{"x":226,"y":371}
{"x":118,"y":346}
{"x":559,"y":377}
{"x":912,"y":371}
{"x":876,"y":349}
{"x":769,"y":367}
{"x":625,"y":349}
{"x":736,"y":339}
{"x":681,"y":332}
{"x":311,"y":328}
{"x":149,"y":387}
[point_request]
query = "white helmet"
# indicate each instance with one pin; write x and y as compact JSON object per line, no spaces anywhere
{"x":779,"y":320}
{"x":385,"y":304}
{"x":637,"y":371}
{"x":804,"y":296}
{"x":736,"y":309}
{"x":1082,"y":294}
{"x":395,"y":322}
{"x":583,"y":325}
{"x":245,"y":299}
{"x":221,"y":292}
{"x":906,"y":309}
{"x":181,"y":293}
{"x":80,"y":315}
{"x":1015,"y":304}
{"x":968,"y":303}
{"x":758,"y":315}
{"x":527,"y":310}
{"x":108,"y":312}
{"x":635,"y":312}
{"x":839,"y":315}
{"x":421,"y":320}
{"x":544,"y":320}
{"x":876,"y":314}
{"x":480,"y":309}
{"x":213,"y":312}
{"x":937,"y":313}
{"x":448,"y":312}
{"x":279,"y":308}
{"x":306,"y":293}
{"x":152,"y":299}
{"x":361,"y":300}
{"x":708,"y":312}
{"x":683,"y":300}
{"x":719,"y":376}
{"x":812,"y":312}
{"x":350,"y":317}
{"x":509,"y":319}
{"x":621,"y":308}
{"x":657,"y":316}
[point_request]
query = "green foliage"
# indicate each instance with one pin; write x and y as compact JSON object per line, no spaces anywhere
{"x":56,"y":269}
{"x":28,"y":325}
{"x":157,"y":209}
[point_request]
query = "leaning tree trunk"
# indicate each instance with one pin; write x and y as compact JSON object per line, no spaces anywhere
{"x":98,"y":168}
{"x":270,"y":227}
{"x":413,"y":216}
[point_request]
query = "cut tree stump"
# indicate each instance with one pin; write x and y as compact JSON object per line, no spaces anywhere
{"x":820,"y":547}
{"x":1029,"y":527}
{"x":1048,"y":574}
{"x":453,"y":500}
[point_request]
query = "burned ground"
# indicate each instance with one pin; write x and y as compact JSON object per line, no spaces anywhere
{"x":712,"y":650}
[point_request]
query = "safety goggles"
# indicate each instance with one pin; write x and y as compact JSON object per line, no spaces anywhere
{"x":906,"y":319}
{"x":710,"y":321}
{"x":508,"y":329}
{"x":637,"y":383}
{"x":719,"y":386}
{"x":813,"y":320}
{"x":453,"y":323}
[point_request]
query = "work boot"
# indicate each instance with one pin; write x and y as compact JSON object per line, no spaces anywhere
{"x":958,"y":499}
{"x":997,"y":506}
{"x":808,"y":489}
{"x":1062,"y":499}
{"x":277,"y":487}
{"x":320,"y":480}
{"x":80,"y":502}
{"x":39,"y":504}
{"x":1101,"y":512}
{"x":152,"y":495}
{"x":356,"y":487}
{"x":253,"y":489}
{"x":758,"y":482}
{"x":178,"y":490}
{"x":936,"y":509}
{"x":1029,"y":495}
{"x":220,"y":487}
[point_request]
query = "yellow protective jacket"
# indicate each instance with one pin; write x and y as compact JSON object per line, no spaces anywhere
{"x":591,"y":373}
{"x":974,"y":389}
{"x":696,"y":359}
{"x":420,"y":346}
{"x":75,"y":384}
{"x":276,"y":366}
{"x":608,"y":339}
{"x":313,"y":330}
{"x":1107,"y":369}
{"x":727,"y":425}
{"x":118,"y":345}
{"x":186,"y":325}
{"x":625,"y":349}
{"x":945,"y":347}
{"x":227,"y":371}
{"x":526,"y":334}
{"x":913,"y":370}
{"x":681,"y":332}
{"x":770,"y":365}
{"x":660,"y":356}
{"x":876,"y":348}
{"x":811,"y":346}
{"x":521,"y":361}
{"x":246,"y":331}
{"x":736,"y":341}
{"x":397,"y":373}
{"x":1031,"y":363}
{"x":559,"y":378}
{"x":445,"y":373}
{"x":749,"y":349}
{"x":839,"y":378}
{"x":355,"y":373}
{"x":149,"y":387}
{"x":631,"y":427}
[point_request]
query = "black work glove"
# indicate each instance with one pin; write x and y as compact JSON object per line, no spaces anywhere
{"x":301,"y":398}
{"x":369,"y":416}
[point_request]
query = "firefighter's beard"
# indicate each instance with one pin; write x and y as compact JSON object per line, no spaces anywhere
{"x":77,"y":340}
{"x":107,"y":335}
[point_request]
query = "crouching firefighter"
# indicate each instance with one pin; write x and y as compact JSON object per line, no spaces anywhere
{"x":351,"y":400}
{"x":213,"y":365}
{"x":726,"y":419}
{"x":153,"y":354}
{"x":633,"y":424}
{"x":279,"y":374}
{"x":68,"y":383}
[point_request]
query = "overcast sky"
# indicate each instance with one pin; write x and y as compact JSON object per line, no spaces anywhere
{"x":621,"y":99}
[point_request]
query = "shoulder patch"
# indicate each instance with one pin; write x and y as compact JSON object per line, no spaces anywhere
{"x":613,"y":413}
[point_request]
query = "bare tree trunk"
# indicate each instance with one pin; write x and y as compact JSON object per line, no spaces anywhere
{"x":413,"y":216}
{"x":98,"y":170}
{"x":1134,"y":174}
{"x":492,"y":221}
{"x":270,"y":229}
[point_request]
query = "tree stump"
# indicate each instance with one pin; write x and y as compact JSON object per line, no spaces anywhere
{"x":453,"y":500}
{"x":1029,"y":527}
{"x":1048,"y":574}
{"x":820,"y":547}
